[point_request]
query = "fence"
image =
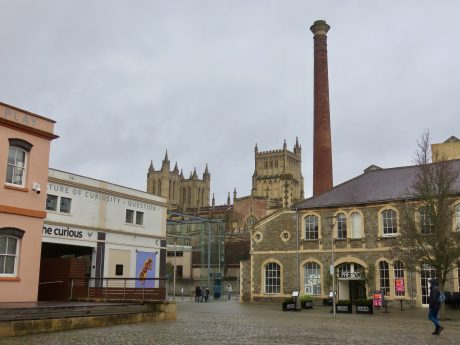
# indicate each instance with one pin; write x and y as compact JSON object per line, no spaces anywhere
{"x":119,"y":288}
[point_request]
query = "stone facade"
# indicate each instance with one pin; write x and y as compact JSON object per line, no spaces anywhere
{"x":182,"y":194}
{"x":292,"y":248}
{"x":278,"y":175}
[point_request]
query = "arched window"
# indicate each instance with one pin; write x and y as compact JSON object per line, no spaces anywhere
{"x":426,"y":223}
{"x":341,"y":226}
{"x":384,"y":277}
{"x":399,"y":278}
{"x":311,"y":227}
{"x":389,"y":223}
{"x":312,"y":280}
{"x":272,"y":278}
{"x":189,"y":196}
{"x":356,"y":225}
{"x":457,"y":217}
{"x":153,"y":187}
{"x":9,"y":251}
{"x":159,"y":188}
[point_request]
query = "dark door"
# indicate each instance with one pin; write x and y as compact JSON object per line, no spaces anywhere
{"x":357,"y":290}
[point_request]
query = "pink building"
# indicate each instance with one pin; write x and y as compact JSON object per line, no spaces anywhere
{"x":24,"y":155}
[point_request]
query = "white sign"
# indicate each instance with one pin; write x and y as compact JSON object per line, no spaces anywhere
{"x":350,"y":275}
{"x":68,"y":232}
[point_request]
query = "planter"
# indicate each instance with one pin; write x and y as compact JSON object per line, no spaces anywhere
{"x":343,"y":308}
{"x":307,"y":304}
{"x":364,"y":309}
{"x":289,"y":306}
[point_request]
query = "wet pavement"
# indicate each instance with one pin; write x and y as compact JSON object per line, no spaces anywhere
{"x":228,"y":322}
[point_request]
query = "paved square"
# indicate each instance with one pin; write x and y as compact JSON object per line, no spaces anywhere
{"x":232,"y":323}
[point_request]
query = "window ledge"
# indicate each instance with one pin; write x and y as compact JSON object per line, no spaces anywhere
{"x":18,"y":188}
{"x":10,"y":279}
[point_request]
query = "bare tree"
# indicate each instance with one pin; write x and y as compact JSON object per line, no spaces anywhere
{"x":427,"y":236}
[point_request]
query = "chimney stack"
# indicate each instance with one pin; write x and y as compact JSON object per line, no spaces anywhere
{"x":322,"y":147}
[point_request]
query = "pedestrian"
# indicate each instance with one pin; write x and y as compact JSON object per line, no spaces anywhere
{"x":229,"y":291}
{"x":203,"y":293}
{"x":207,"y":293}
{"x":434,"y":306}
{"x":197,"y":293}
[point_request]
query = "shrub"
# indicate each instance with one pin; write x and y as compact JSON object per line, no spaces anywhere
{"x":363,"y":301}
{"x":343,"y":301}
{"x":305,"y":298}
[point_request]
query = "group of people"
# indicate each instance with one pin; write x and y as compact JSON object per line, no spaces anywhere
{"x":201,"y":294}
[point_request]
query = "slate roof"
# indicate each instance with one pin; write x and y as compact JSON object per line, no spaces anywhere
{"x":374,"y":186}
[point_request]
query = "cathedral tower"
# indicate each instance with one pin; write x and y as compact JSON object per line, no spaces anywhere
{"x":182,"y":193}
{"x":278,"y":175}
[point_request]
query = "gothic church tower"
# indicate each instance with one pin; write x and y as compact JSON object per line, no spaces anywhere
{"x":182,"y":193}
{"x":278,"y":175}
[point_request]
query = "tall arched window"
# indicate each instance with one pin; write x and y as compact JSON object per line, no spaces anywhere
{"x":426,"y":222}
{"x":384,"y":277}
{"x":311,"y":227}
{"x":341,"y":226}
{"x":189,"y":196}
{"x":272,"y":278}
{"x":356,"y":225}
{"x":312,"y":279}
{"x":400,"y":285}
{"x":389,"y":223}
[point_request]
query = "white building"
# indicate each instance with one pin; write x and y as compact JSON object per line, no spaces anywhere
{"x":115,"y":229}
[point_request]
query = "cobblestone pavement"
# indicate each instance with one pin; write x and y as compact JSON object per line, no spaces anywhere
{"x":232,"y":323}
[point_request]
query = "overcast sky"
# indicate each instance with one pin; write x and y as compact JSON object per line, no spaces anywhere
{"x":207,"y":80}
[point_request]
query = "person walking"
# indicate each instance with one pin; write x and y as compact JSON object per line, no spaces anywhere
{"x":206,"y":294}
{"x":197,"y":293}
{"x":203,"y":293}
{"x":434,"y":306}
{"x":229,"y":292}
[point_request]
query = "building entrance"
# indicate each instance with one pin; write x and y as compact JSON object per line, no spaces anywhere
{"x":351,"y":284}
{"x":59,"y":263}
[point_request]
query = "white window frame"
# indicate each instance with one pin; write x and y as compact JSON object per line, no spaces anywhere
{"x":312,"y":278}
{"x":14,"y":166}
{"x":383,"y":214}
{"x":342,"y":224}
{"x":269,"y":286}
{"x":15,"y":255}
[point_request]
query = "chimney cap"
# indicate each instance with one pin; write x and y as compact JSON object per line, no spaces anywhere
{"x":320,"y":28}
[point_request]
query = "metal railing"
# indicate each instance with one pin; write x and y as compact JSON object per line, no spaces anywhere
{"x":119,"y":288}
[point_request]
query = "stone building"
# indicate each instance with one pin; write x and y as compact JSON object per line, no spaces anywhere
{"x":357,"y":223}
{"x":278,"y":175}
{"x":183,"y":194}
{"x":449,"y":149}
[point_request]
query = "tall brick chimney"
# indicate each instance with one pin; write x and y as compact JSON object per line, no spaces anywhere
{"x":322,"y":148}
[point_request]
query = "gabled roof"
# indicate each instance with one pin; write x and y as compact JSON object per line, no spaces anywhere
{"x":375,"y":185}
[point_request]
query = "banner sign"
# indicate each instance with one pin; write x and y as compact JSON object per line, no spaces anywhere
{"x":145,"y":268}
{"x":377,"y":299}
{"x":399,"y":285}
